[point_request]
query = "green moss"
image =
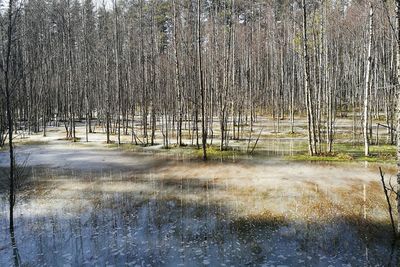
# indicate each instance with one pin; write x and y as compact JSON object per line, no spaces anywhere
{"x":378,"y":158}
{"x":359,"y":148}
{"x":33,"y":142}
{"x":294,"y":134}
{"x":383,"y":149}
{"x":125,"y":146}
{"x":283,"y":135}
{"x":214,"y":152}
{"x":348,"y":152}
{"x":343,"y":152}
{"x":77,"y":139}
{"x":331,"y":158}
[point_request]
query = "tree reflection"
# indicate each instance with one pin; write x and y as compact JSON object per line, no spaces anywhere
{"x":16,"y":257}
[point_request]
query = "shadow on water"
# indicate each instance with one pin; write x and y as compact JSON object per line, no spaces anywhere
{"x":109,"y":217}
{"x":394,"y":258}
{"x":162,"y":223}
{"x":3,"y":193}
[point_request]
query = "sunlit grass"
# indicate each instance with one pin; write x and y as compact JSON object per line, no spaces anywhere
{"x":77,"y":139}
{"x":347,"y":152}
{"x":30,"y":142}
{"x":214,"y":152}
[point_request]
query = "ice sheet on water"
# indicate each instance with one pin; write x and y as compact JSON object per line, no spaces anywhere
{"x":99,"y":223}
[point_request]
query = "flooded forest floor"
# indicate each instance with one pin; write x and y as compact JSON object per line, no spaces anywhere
{"x":91,"y":203}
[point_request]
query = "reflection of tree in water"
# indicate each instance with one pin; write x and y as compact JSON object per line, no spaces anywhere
{"x":16,"y":257}
{"x":159,"y":226}
{"x":11,"y":190}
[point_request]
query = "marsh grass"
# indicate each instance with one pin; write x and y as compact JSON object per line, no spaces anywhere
{"x":343,"y":212}
{"x":30,"y":142}
{"x":283,"y":135}
{"x":347,"y":152}
{"x":342,"y":151}
{"x":214,"y":152}
{"x":77,"y":139}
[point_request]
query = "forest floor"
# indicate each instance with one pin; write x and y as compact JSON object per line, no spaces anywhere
{"x":274,"y":140}
{"x":97,"y":203}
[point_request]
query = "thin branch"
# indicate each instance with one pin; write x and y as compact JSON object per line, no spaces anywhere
{"x":388,"y":201}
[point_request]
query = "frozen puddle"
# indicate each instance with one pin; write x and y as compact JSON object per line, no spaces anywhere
{"x":85,"y":207}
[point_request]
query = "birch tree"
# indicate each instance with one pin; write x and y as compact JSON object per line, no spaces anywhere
{"x":368,"y":83}
{"x":398,"y":109}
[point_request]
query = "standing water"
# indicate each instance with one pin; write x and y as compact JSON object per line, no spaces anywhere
{"x":105,"y":207}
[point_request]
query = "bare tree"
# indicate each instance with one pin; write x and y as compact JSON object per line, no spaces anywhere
{"x":201,"y":82}
{"x":398,"y":109}
{"x":8,"y":82}
{"x":307,"y":86}
{"x":165,"y":67}
{"x":368,"y":83}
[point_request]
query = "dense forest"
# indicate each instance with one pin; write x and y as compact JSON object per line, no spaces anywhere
{"x":175,"y":67}
{"x":200,"y":73}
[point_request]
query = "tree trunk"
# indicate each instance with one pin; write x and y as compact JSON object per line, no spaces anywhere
{"x":368,"y":83}
{"x":307,"y":89}
{"x":9,"y":107}
{"x":117,"y":85}
{"x":398,"y":112}
{"x":177,"y":77}
{"x":201,"y":82}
